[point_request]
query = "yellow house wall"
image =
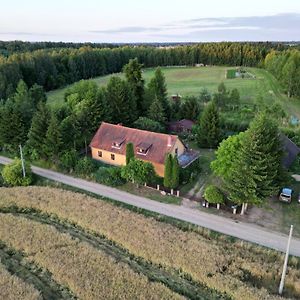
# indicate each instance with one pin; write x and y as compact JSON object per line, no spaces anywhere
{"x":120,"y":160}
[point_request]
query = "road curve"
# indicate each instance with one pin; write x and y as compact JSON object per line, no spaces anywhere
{"x":244,"y":231}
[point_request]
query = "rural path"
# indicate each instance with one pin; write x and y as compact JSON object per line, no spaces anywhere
{"x":244,"y":231}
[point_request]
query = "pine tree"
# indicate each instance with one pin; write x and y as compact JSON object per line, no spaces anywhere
{"x":38,"y":130}
{"x":168,"y":171}
{"x":129,"y":153}
{"x":256,"y":170}
{"x":121,"y":100}
{"x":24,"y":103}
{"x":262,"y":151}
{"x":175,"y":173}
{"x":209,"y":128}
{"x":53,"y":141}
{"x":157,"y":88}
{"x":133,"y":73}
{"x":37,"y":94}
{"x":156,"y":112}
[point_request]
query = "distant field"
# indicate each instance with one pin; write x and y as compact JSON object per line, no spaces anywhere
{"x":190,"y":80}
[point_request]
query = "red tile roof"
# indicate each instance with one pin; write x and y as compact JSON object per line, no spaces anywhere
{"x":108,"y":133}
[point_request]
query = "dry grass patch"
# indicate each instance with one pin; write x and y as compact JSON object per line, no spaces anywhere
{"x":89,"y":273}
{"x":235,"y":268}
{"x":12,"y":288}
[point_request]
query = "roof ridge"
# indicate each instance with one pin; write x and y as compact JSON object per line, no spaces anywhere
{"x":158,"y":133}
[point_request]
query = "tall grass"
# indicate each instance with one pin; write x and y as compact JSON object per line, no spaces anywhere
{"x":12,"y":288}
{"x":234,"y":268}
{"x":89,"y":273}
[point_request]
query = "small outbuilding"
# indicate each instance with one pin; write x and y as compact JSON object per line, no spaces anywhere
{"x":181,"y":126}
{"x":291,"y":151}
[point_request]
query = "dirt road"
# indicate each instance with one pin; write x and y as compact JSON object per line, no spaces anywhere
{"x":244,"y":231}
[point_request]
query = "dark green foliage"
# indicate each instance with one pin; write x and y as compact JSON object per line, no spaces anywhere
{"x":38,"y":131}
{"x":56,"y":68}
{"x":204,"y":96}
{"x":168,"y":171}
{"x":222,"y":88}
{"x":138,"y":171}
{"x":209,"y":128}
{"x":37,"y":94}
{"x":212,"y":194}
{"x":157,"y":92}
{"x":156,"y":112}
{"x":129,"y":152}
{"x":233,"y":100}
{"x":13,"y":175}
{"x":12,"y":126}
{"x":68,"y":160}
{"x":175,"y":173}
{"x":85,"y":166}
{"x":109,"y":176}
{"x":53,"y":143}
{"x":285,"y":66}
{"x":250,"y":164}
{"x":148,"y":124}
{"x":133,"y":73}
{"x":122,"y":101}
{"x":190,"y":108}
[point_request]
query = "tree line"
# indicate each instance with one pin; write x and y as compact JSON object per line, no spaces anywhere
{"x":56,"y":67}
{"x":285,"y":66}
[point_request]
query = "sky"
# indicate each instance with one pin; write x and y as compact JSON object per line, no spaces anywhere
{"x":117,"y":21}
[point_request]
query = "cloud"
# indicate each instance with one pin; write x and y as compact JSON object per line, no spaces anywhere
{"x":131,"y":29}
{"x":278,"y":27}
{"x":16,"y":33}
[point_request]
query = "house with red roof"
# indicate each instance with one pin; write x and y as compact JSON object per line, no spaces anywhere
{"x":109,"y":146}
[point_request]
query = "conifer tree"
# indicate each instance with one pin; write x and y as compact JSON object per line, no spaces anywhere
{"x":133,"y":73}
{"x":157,"y":88}
{"x":38,"y":130}
{"x":168,"y":171}
{"x":129,"y":153}
{"x":209,"y":128}
{"x":156,"y":112}
{"x":175,"y":173}
{"x":53,"y":141}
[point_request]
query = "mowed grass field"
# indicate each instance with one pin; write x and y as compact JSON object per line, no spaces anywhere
{"x":188,"y":81}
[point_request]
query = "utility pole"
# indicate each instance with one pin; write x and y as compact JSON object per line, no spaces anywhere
{"x":285,"y":262}
{"x":22,"y":160}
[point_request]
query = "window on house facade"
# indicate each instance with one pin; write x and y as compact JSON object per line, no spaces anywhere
{"x":176,"y":151}
{"x":112,"y":156}
{"x":100,"y":153}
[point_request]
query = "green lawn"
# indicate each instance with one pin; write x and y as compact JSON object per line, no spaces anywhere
{"x":190,"y":80}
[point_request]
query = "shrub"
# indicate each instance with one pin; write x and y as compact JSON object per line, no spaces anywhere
{"x":138,"y":171}
{"x":213,"y":194}
{"x":13,"y":175}
{"x":109,"y":176}
{"x":145,"y":123}
{"x":85,"y":166}
{"x":69,"y":159}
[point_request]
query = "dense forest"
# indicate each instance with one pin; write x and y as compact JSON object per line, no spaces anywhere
{"x":55,"y":67}
{"x":285,"y":66}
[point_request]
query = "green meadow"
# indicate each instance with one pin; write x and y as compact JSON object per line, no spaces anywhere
{"x":188,"y":81}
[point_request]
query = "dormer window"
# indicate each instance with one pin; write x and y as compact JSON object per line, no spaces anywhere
{"x":143,"y":148}
{"x":117,"y":143}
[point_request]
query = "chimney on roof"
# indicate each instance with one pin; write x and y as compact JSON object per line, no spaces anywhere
{"x":120,"y":124}
{"x":169,"y":141}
